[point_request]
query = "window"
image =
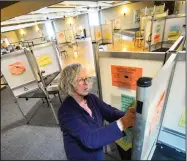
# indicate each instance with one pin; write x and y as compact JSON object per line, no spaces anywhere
{"x":50,"y":31}
{"x":93,"y":18}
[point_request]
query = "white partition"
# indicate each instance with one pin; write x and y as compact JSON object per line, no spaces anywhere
{"x":112,"y":94}
{"x":92,"y":29}
{"x":154,"y":101}
{"x":46,"y":56}
{"x":98,"y":33}
{"x":107,"y":33}
{"x":147,"y":31}
{"x":117,"y":23}
{"x":65,"y":36}
{"x":171,"y":22}
{"x":61,"y":37}
{"x":157,"y":31}
{"x":21,"y":81}
{"x":172,"y":133}
{"x":69,"y":35}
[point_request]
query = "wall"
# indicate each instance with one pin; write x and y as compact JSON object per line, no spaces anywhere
{"x":81,"y":20}
{"x":180,"y":7}
{"x":31,"y":33}
{"x":127,"y":20}
{"x":11,"y":36}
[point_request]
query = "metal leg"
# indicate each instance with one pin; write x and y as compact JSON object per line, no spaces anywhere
{"x":43,"y":101}
{"x":47,"y":101}
{"x":59,"y":97}
{"x":21,"y":111}
{"x":50,"y":104}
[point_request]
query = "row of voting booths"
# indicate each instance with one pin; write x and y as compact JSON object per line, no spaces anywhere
{"x":70,"y":35}
{"x":30,"y":71}
{"x":160,"y":29}
{"x":154,"y":82}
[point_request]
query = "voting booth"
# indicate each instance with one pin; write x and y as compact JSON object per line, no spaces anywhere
{"x":173,"y":134}
{"x":159,"y":31}
{"x":102,"y":34}
{"x":156,"y":106}
{"x":118,"y":73}
{"x":65,"y":36}
{"x":29,"y":71}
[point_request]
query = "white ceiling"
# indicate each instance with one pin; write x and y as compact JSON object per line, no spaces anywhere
{"x":65,"y":8}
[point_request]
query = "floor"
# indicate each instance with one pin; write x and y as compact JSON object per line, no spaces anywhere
{"x":83,"y":53}
{"x":41,"y":139}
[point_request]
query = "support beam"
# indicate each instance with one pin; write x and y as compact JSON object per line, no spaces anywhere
{"x":24,"y":7}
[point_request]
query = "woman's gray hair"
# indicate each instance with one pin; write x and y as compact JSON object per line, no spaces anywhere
{"x":68,"y":77}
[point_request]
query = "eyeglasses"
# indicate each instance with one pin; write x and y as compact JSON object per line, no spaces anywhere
{"x":84,"y":80}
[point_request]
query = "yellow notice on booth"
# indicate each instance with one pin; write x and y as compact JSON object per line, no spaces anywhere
{"x":44,"y":60}
{"x":126,"y":142}
{"x":182,"y":121}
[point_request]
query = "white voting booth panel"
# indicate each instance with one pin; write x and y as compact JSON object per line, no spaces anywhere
{"x":117,"y":23}
{"x":172,"y":21}
{"x":65,"y":36}
{"x":172,"y":134}
{"x":98,"y":33}
{"x":157,"y":31}
{"x":61,"y":37}
{"x":147,"y":30}
{"x":107,"y":33}
{"x":20,"y":83}
{"x":69,"y":35}
{"x":112,"y":94}
{"x":153,"y":101}
{"x":92,"y":30}
{"x":49,"y":56}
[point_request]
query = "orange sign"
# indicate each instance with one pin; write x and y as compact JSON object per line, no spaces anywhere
{"x":156,"y":38}
{"x":98,"y":34}
{"x":61,"y":35}
{"x":117,"y":22}
{"x":157,"y":112}
{"x":125,"y":77}
{"x":17,"y":68}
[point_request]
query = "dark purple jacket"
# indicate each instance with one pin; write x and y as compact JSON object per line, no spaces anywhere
{"x":84,"y":136}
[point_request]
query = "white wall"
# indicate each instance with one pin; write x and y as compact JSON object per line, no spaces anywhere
{"x":180,"y":7}
{"x":117,"y":12}
{"x":31,"y":33}
{"x":81,"y":20}
{"x":11,"y":36}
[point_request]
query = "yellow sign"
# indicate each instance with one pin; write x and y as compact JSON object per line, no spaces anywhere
{"x":126,"y":142}
{"x":108,"y":36}
{"x":44,"y":60}
{"x":182,"y":121}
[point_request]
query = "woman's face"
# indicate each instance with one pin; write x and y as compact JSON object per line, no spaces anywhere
{"x":82,"y":82}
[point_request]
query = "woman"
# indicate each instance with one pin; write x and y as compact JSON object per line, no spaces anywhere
{"x":82,"y":114}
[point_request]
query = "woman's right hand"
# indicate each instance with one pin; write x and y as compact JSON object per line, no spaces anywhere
{"x":128,"y":119}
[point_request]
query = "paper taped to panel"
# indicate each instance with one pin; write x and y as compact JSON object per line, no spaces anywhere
{"x":16,"y":69}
